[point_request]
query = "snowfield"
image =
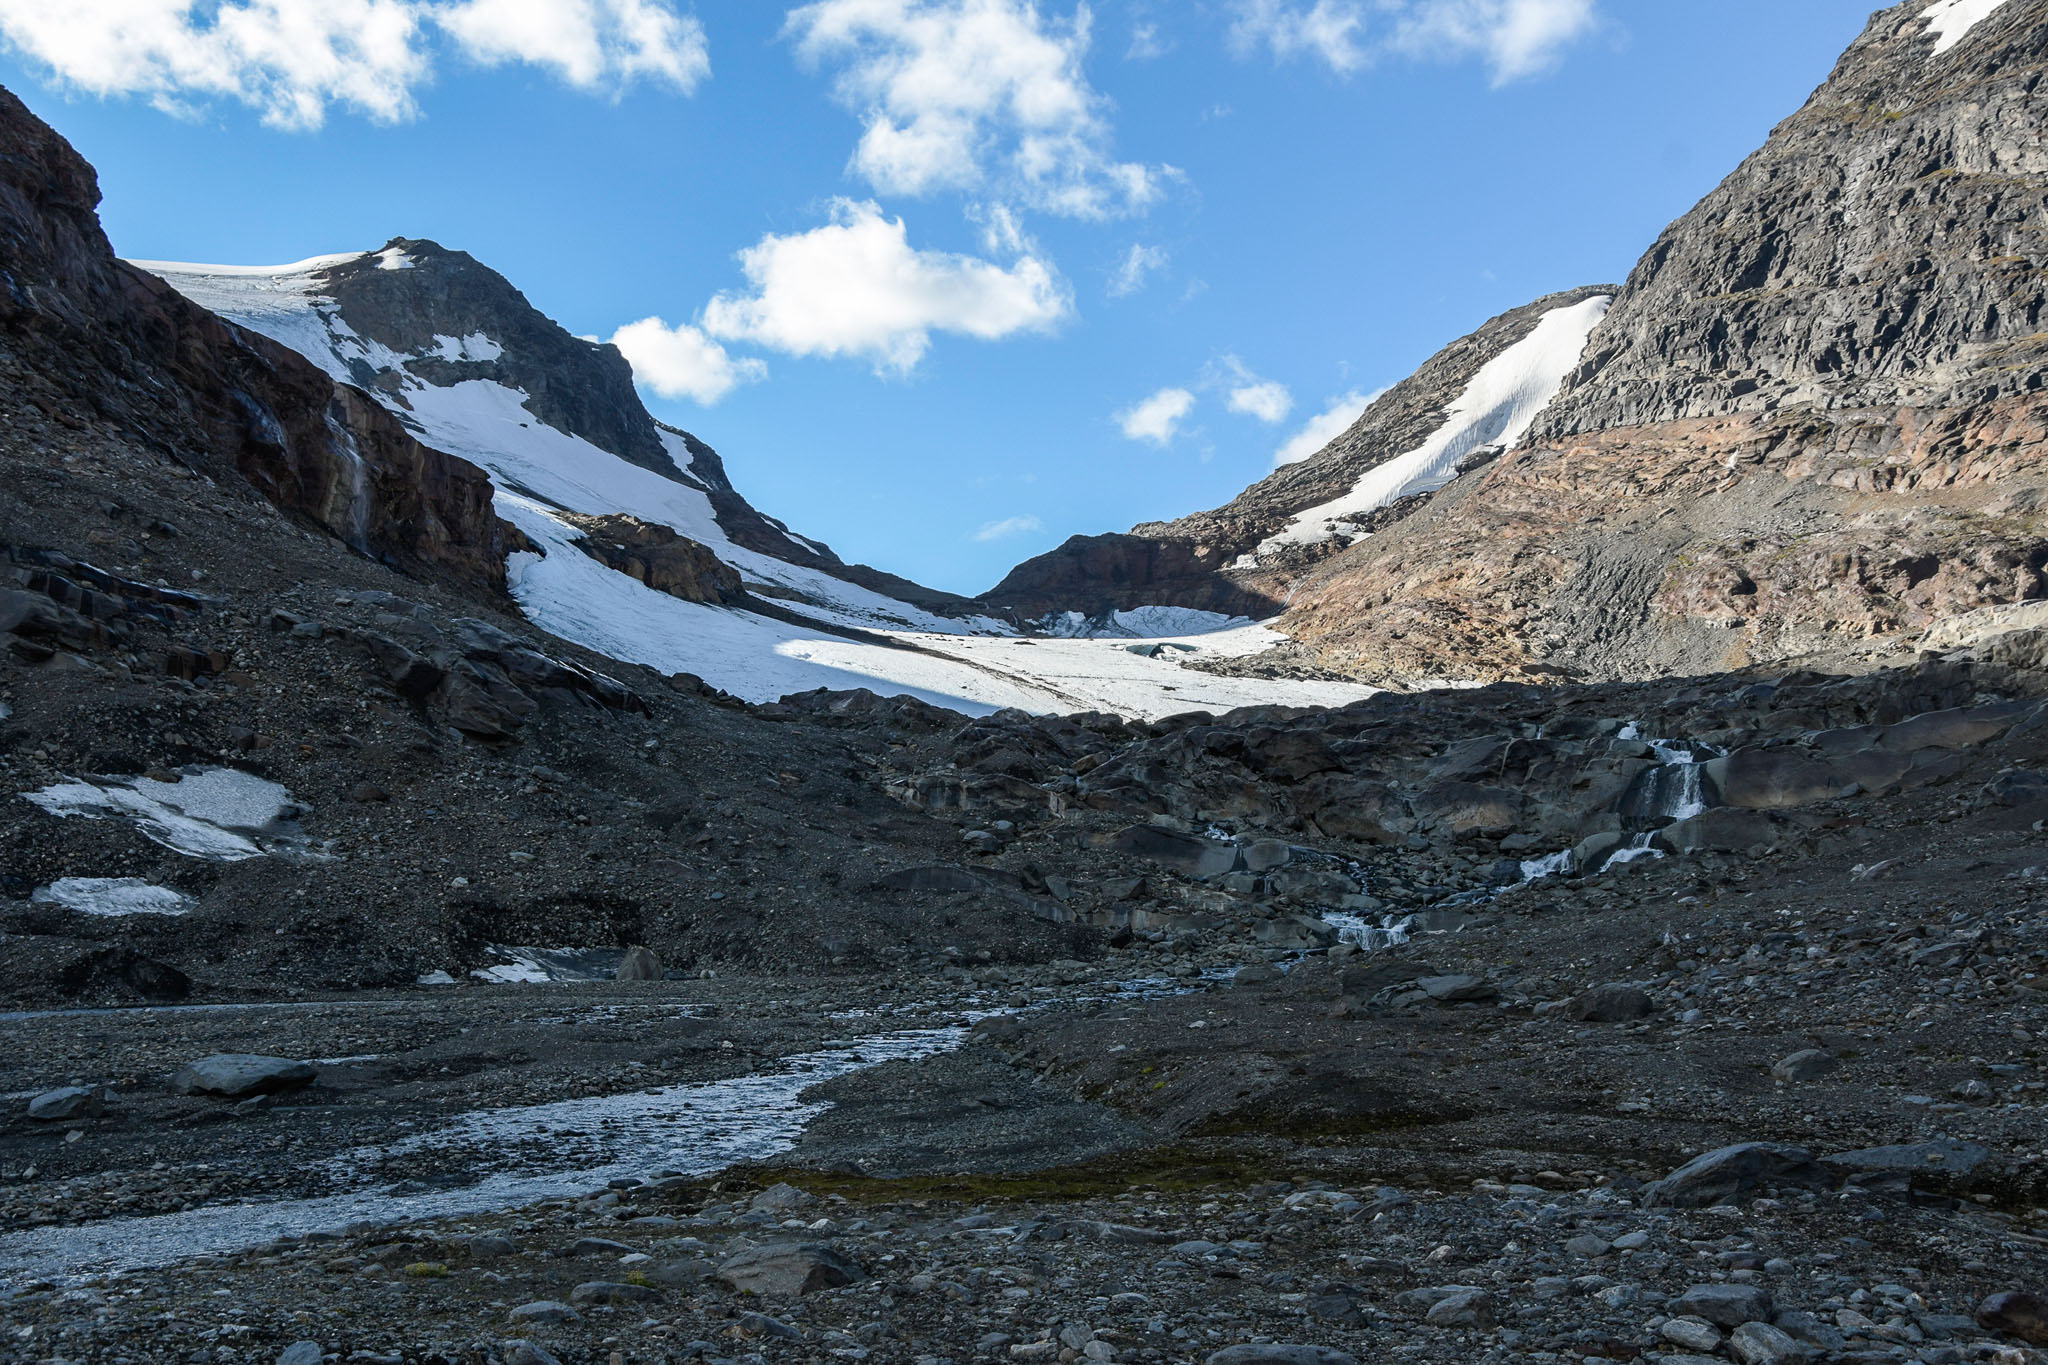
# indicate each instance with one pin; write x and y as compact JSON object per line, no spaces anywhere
{"x":1496,"y":408}
{"x":1950,"y":21}
{"x":541,"y":473}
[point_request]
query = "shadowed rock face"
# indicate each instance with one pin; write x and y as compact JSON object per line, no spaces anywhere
{"x":657,"y":556}
{"x":1811,"y":424}
{"x":87,"y":331}
{"x":1192,"y":562}
{"x":1095,"y":574}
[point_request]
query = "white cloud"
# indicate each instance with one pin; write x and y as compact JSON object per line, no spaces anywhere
{"x":1324,"y":427}
{"x":1266,"y":399}
{"x":1157,"y":418}
{"x":1516,"y":37}
{"x":1009,"y":526}
{"x":964,"y":94}
{"x":1139,"y":263}
{"x":592,"y":44}
{"x":1146,"y":44}
{"x":294,"y":59}
{"x":856,"y":287}
{"x":1331,"y":30}
{"x":681,"y":362}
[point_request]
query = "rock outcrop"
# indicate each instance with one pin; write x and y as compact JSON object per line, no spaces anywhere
{"x":84,"y":333}
{"x":1810,"y":424}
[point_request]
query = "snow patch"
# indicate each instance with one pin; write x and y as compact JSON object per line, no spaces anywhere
{"x":1141,"y":623}
{"x":532,"y":966}
{"x":475,"y":348}
{"x":1496,"y":408}
{"x":218,"y":814}
{"x":112,"y":897}
{"x":394,"y":258}
{"x":1950,"y":21}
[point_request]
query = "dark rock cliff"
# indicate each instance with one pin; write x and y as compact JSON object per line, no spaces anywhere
{"x":85,"y":332}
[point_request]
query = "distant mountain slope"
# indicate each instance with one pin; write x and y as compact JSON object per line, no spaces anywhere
{"x":1812,"y":422}
{"x":637,"y":544}
{"x":418,"y":325}
{"x":1480,"y":392}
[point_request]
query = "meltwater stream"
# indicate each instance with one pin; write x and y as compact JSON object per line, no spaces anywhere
{"x":565,"y":1148}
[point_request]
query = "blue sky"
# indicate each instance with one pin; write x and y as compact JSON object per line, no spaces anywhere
{"x":947,"y":281}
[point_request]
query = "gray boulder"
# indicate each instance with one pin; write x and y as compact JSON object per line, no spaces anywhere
{"x":71,"y":1102}
{"x":1808,"y":1065}
{"x":238,"y":1075}
{"x":1610,"y":1004}
{"x":545,"y":1310}
{"x":1452,"y":989}
{"x":301,"y":1353}
{"x":786,"y":1270}
{"x":1724,"y":1305}
{"x":1759,"y":1343}
{"x":1184,"y":853}
{"x":1719,"y":1176}
{"x":608,"y":1291}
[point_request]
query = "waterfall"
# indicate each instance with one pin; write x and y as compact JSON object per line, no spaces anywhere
{"x":357,"y":532}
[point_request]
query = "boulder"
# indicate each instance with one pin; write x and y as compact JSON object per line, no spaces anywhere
{"x":1728,"y":1173}
{"x":1295,"y":932}
{"x":544,"y":1310}
{"x":639,"y":964}
{"x":1610,"y":1004}
{"x":71,"y":1102}
{"x":1468,"y":1308}
{"x":1759,"y":1343}
{"x":301,"y":1353}
{"x":1807,"y":1065}
{"x":1934,"y":1163}
{"x":1452,"y":989}
{"x":1724,"y":1305}
{"x":2016,"y":1313}
{"x":1724,"y":829}
{"x":608,"y":1291}
{"x":1184,"y":853}
{"x":1773,"y":779}
{"x":236,"y":1075}
{"x":1460,"y":808}
{"x":781,"y":1198}
{"x":788,"y":1270}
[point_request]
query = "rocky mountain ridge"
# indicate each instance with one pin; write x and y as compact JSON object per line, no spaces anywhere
{"x":491,"y":1001}
{"x":1808,"y":427}
{"x":1213,"y":561}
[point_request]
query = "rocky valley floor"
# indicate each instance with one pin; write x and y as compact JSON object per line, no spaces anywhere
{"x":1377,"y":1030}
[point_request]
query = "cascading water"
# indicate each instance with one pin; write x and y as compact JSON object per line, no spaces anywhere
{"x":358,"y":534}
{"x":1678,"y":789}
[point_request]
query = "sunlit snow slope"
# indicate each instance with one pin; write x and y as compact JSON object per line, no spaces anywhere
{"x":542,"y":471}
{"x":1496,"y":408}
